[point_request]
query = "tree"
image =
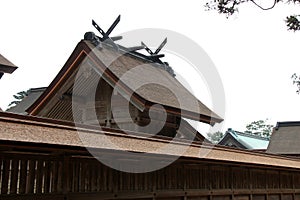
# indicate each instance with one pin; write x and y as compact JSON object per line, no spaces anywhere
{"x":260,"y":127}
{"x":18,"y":98}
{"x":229,"y":7}
{"x":296,"y":81}
{"x":215,"y":137}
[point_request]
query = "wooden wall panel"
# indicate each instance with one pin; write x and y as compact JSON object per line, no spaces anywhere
{"x":51,"y":174}
{"x":286,"y":180}
{"x":221,"y":197}
{"x":242,"y":197}
{"x":259,"y":197}
{"x":296,"y":179}
{"x":273,"y":197}
{"x":198,"y":198}
{"x":272,"y":179}
{"x":240,"y":178}
{"x":297,"y":196}
{"x":258,"y":177}
{"x":286,"y":197}
{"x":220,"y":177}
{"x":197,"y":176}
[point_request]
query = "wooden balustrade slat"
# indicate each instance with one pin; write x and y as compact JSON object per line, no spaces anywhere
{"x":14,"y":176}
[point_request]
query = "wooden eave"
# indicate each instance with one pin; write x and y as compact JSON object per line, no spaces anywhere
{"x":228,"y":136}
{"x":6,"y":66}
{"x":7,"y":69}
{"x":39,"y":132}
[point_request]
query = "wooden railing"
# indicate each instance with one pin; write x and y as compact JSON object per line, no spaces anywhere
{"x":28,"y":175}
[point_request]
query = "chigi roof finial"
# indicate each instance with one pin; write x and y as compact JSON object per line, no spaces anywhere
{"x":105,"y":38}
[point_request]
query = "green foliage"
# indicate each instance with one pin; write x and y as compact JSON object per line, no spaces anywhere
{"x":260,"y":127}
{"x":18,"y":98}
{"x":215,"y":137}
{"x":229,"y":7}
{"x":296,"y":81}
{"x":293,"y":22}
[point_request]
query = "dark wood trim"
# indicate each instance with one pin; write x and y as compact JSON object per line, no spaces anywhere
{"x":143,"y":194}
{"x":75,"y":59}
{"x":7,"y":69}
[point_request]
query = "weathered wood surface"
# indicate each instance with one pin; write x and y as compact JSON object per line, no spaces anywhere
{"x":42,"y":176}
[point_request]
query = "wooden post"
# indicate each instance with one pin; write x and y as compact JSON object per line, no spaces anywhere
{"x":5,"y":176}
{"x":54,"y":181}
{"x":30,"y":177}
{"x":39,"y":176}
{"x":66,"y":176}
{"x":47,"y":174}
{"x":14,"y":176}
{"x":23,"y":175}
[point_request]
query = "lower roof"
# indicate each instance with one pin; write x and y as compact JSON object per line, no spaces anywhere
{"x":285,"y":138}
{"x":25,"y":103}
{"x":246,"y":140}
{"x":34,"y":130}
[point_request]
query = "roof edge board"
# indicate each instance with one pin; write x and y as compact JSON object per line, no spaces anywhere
{"x":287,"y":124}
{"x":74,"y":59}
{"x":7,"y":69}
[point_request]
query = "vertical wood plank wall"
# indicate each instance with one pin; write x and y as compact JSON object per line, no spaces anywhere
{"x":42,"y":176}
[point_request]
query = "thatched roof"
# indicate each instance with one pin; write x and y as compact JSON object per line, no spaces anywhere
{"x":285,"y":139}
{"x":160,"y":91}
{"x":35,"y":131}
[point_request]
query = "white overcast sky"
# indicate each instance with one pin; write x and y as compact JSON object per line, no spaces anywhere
{"x":253,"y":52}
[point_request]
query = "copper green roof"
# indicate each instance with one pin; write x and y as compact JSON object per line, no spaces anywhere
{"x":244,"y":140}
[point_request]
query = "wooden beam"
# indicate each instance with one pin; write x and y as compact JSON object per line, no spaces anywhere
{"x":73,"y":98}
{"x":7,"y":69}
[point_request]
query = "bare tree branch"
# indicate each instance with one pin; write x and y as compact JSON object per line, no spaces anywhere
{"x":229,"y":7}
{"x":275,"y":2}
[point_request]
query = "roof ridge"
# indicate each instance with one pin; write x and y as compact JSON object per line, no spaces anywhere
{"x":248,"y":134}
{"x":162,"y":65}
{"x":287,"y":123}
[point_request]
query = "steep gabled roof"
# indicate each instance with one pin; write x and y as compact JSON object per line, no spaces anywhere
{"x":244,"y":140}
{"x":142,"y":98}
{"x":285,"y":138}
